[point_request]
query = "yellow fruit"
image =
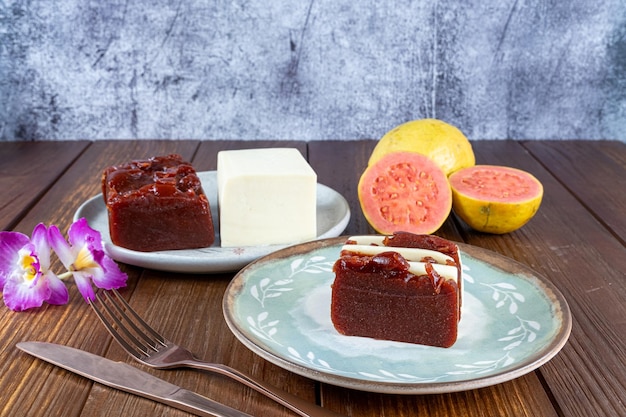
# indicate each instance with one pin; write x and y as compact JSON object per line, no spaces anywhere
{"x":438,"y":140}
{"x":495,"y":199}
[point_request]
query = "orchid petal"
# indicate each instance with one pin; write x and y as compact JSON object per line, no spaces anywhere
{"x":83,"y":283}
{"x":25,"y":264}
{"x":87,"y":261}
{"x":81,"y":234}
{"x":60,"y":246}
{"x":21,"y":294}
{"x":59,"y":294}
{"x":10,"y":244}
{"x":113,"y":278}
{"x":39,"y":239}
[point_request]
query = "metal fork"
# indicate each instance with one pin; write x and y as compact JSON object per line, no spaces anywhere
{"x":147,"y":346}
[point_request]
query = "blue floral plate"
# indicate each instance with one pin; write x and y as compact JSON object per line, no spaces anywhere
{"x":512,"y":322}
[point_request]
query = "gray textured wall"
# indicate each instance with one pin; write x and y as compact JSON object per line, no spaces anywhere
{"x":324,"y":69}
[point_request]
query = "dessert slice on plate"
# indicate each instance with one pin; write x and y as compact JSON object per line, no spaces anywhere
{"x":404,"y":287}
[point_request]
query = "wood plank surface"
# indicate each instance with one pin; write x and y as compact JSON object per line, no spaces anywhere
{"x":83,"y":179}
{"x":576,"y":241}
{"x":596,"y":175}
{"x":23,"y":179}
{"x":573,"y":250}
{"x":72,"y":324}
{"x":339,"y":165}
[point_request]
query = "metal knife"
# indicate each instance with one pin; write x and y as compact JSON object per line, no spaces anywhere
{"x":127,"y":378}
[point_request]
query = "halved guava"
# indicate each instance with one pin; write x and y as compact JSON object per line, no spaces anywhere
{"x":405,"y":191}
{"x":495,"y":199}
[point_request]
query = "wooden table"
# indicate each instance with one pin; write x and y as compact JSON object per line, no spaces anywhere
{"x":576,"y":240}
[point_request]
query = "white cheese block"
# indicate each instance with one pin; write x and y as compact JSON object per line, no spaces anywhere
{"x":265,"y":197}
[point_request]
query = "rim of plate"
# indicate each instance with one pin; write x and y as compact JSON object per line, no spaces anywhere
{"x":534,"y":361}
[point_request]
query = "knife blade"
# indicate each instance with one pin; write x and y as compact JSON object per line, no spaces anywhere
{"x":125,"y":377}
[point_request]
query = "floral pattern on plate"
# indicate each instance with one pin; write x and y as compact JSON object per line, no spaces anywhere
{"x":510,"y":324}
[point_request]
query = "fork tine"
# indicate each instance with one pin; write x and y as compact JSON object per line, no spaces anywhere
{"x":118,"y":317}
{"x":123,"y":321}
{"x":121,"y":325}
{"x":133,"y":350}
{"x":137,"y":318}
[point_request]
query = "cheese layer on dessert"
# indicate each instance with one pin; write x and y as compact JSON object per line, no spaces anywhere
{"x":373,"y":245}
{"x":265,"y":196}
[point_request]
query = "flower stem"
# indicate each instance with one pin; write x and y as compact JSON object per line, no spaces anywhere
{"x":65,"y":275}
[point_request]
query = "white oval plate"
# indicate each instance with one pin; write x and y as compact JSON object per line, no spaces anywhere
{"x":333,"y":215}
{"x":512,"y":322}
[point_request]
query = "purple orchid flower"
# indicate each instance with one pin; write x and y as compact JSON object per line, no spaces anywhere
{"x":25,"y":278}
{"x":85,"y":259}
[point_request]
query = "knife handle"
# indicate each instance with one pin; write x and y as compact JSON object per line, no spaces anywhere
{"x":202,"y":406}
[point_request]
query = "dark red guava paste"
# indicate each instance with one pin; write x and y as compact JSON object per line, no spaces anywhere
{"x":157,"y":204}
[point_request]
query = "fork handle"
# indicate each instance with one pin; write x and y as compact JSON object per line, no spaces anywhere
{"x":292,"y":402}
